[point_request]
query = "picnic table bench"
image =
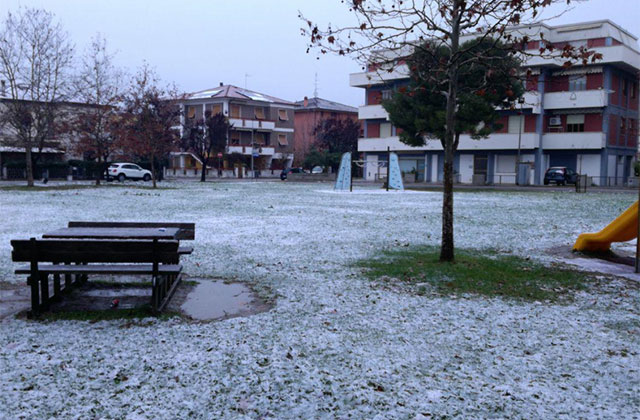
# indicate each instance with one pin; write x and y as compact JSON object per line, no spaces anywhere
{"x":104,"y":248}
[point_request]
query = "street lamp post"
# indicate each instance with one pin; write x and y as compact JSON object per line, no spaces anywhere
{"x":521,"y":117}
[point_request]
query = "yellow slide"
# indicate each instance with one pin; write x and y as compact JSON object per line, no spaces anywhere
{"x":623,"y":228}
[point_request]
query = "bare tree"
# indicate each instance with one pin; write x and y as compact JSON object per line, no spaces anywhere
{"x":385,"y":32}
{"x":99,"y":85}
{"x":206,"y":138}
{"x":35,"y":58}
{"x":150,"y":119}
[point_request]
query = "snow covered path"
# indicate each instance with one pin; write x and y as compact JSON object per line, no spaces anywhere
{"x":334,"y":346}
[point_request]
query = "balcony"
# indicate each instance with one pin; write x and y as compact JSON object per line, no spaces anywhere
{"x":618,"y":54}
{"x":371,"y":112}
{"x":556,"y":141}
{"x":247,"y":150}
{"x":494,"y":142}
{"x":378,"y":77}
{"x":579,"y":99}
{"x":240,"y":123}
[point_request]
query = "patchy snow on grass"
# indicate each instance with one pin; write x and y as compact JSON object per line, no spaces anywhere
{"x":335,"y":345}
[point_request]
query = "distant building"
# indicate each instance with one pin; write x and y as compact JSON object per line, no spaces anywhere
{"x":582,"y":117}
{"x":263,"y":127}
{"x":308,"y":113}
{"x":58,"y":147}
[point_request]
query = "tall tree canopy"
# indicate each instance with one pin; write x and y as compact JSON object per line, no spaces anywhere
{"x":151,"y":114}
{"x":383,"y":32}
{"x":206,"y":138}
{"x":334,"y":136}
{"x":35,"y":63}
{"x":419,"y":109}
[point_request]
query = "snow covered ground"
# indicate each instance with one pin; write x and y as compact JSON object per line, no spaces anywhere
{"x":335,"y":345}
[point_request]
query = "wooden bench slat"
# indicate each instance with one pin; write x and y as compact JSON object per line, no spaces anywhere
{"x":99,"y":251}
{"x":133,"y":269}
{"x":187,"y":230}
{"x":185,"y":250}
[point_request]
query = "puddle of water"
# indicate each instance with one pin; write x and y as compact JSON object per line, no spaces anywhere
{"x":214,"y":300}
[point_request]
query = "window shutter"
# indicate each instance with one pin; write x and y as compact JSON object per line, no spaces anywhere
{"x":282,"y":115}
{"x":282,"y":140}
{"x":575,"y":119}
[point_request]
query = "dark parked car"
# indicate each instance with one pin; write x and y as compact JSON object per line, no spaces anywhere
{"x":561,"y":175}
{"x":287,"y":171}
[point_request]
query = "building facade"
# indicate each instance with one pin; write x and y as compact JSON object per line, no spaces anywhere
{"x":582,"y":117}
{"x":308,"y":113}
{"x":262,"y":127}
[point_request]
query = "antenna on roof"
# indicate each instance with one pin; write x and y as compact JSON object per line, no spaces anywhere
{"x":315,"y":90}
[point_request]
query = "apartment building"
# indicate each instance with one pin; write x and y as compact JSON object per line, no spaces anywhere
{"x":582,"y":117}
{"x":262,"y":126}
{"x":309,"y":112}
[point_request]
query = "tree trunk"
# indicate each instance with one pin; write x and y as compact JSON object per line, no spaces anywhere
{"x":203,"y":172}
{"x":29,"y":165}
{"x":99,"y":172}
{"x":447,"y":247}
{"x":153,"y":170}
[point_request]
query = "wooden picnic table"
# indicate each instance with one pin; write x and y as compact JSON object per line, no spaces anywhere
{"x":167,"y":233}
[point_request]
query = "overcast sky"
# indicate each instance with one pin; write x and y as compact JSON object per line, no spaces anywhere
{"x":199,"y":43}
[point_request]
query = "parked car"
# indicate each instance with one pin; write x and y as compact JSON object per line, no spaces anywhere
{"x":317,"y":170}
{"x":561,"y":175}
{"x":122,"y":171}
{"x":285,"y":172}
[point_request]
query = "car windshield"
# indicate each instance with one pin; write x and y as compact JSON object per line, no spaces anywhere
{"x":556,"y":171}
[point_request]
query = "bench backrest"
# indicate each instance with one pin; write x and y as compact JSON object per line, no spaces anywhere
{"x":187,"y":230}
{"x":98,"y":251}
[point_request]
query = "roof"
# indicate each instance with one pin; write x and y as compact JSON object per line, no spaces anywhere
{"x":234,"y":92}
{"x":323,"y":104}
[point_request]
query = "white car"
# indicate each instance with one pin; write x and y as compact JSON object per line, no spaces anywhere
{"x":122,"y":171}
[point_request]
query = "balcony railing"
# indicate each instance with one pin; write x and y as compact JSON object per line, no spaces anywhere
{"x":377,"y":77}
{"x":369,"y":112}
{"x":494,"y":142}
{"x":580,"y":99}
{"x":594,"y":140}
{"x":240,"y":123}
{"x":248,"y":150}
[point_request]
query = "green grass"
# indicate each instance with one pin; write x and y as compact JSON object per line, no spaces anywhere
{"x":106,"y":315}
{"x":482,"y":273}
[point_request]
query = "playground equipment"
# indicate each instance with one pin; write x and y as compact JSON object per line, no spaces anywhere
{"x":623,"y":228}
{"x":344,"y":180}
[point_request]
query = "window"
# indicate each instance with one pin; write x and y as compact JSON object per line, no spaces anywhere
{"x":258,"y":138}
{"x":282,"y":115}
{"x":632,"y":87}
{"x":259,"y":113}
{"x":625,"y":87}
{"x":282,"y":140}
{"x":214,"y":109}
{"x":235,"y":137}
{"x":577,"y":83}
{"x":575,"y":123}
{"x":506,"y":164}
{"x":385,"y":130}
{"x":516,"y":123}
{"x":191,"y":112}
{"x":623,"y":125}
{"x":235,"y":111}
{"x":387,"y":94}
